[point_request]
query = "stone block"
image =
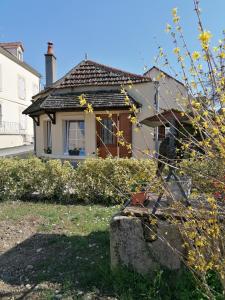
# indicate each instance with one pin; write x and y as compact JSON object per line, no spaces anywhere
{"x":130,"y":245}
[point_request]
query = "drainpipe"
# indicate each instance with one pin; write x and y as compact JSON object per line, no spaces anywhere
{"x":34,"y":126}
{"x":156,"y":84}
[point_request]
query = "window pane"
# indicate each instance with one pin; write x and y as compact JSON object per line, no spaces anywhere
{"x":75,"y":134}
{"x":107,"y":131}
{"x":49,"y":134}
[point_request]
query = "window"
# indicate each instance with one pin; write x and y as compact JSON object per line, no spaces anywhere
{"x":20,"y":55}
{"x":48,"y":136}
{"x":23,"y":119}
{"x":35,"y":89}
{"x":107,"y":132}
{"x":74,"y":138}
{"x":21,"y":88}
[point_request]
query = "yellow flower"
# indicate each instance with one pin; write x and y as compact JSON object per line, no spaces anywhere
{"x":98,"y":119}
{"x":196,"y":104}
{"x":215,"y":130}
{"x":174,"y":11}
{"x":133,"y":108}
{"x":127,"y":100}
{"x":133,"y":119}
{"x":222,"y":55}
{"x":195,"y":55}
{"x":82,"y":100}
{"x":168,"y":28}
{"x":119,"y":133}
{"x":176,"y":50}
{"x":176,"y":19}
{"x":89,"y":108}
{"x":122,"y":143}
{"x":205,"y":37}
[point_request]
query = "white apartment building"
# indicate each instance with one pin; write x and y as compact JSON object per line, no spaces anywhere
{"x":18,"y":83}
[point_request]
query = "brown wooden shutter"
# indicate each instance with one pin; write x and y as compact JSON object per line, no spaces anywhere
{"x":126,"y":126}
{"x":161,"y":132}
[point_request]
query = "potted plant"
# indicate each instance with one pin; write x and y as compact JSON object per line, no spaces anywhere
{"x":138,"y":193}
{"x":74,"y":151}
{"x":48,"y":150}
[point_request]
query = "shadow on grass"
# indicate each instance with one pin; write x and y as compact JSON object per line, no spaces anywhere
{"x":82,"y":263}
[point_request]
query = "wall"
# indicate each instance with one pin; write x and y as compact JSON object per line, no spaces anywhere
{"x":143,"y":138}
{"x":12,"y":105}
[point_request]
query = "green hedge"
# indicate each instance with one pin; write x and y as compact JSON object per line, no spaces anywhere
{"x":94,"y":180}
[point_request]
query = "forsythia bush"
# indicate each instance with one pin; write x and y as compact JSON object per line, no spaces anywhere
{"x":95,"y":180}
{"x":204,"y":167}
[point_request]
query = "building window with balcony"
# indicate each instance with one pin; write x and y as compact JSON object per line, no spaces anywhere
{"x":48,"y":137}
{"x":21,"y":88}
{"x":74,"y":141}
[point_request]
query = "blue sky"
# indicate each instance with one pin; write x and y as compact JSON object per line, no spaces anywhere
{"x":120,"y":33}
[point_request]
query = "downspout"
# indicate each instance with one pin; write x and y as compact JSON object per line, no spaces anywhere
{"x":156,"y":84}
{"x":34,"y":126}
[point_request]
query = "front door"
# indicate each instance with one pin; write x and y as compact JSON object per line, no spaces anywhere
{"x":106,"y":136}
{"x":107,"y":141}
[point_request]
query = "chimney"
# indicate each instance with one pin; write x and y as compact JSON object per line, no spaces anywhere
{"x":50,"y":65}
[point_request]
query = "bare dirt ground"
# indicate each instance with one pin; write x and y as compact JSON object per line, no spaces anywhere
{"x":40,"y":258}
{"x":17,"y":262}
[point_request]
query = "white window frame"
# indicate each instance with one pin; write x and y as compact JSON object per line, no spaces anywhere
{"x":22,"y":119}
{"x":21,"y":89}
{"x":66,"y":137}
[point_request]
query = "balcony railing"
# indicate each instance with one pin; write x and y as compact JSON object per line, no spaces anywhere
{"x":11,"y":128}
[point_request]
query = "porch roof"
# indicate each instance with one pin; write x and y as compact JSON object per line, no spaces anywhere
{"x":60,"y":102}
{"x":166,"y":117}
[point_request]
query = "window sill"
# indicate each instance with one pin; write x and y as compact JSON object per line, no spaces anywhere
{"x":64,"y":156}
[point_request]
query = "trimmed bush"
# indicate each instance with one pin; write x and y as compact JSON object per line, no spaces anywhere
{"x":104,"y":181}
{"x":111,"y":180}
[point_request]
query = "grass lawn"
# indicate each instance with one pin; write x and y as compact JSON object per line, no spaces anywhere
{"x":50,"y":251}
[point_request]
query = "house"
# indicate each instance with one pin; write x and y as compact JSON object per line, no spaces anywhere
{"x":18,"y":83}
{"x":64,"y":130}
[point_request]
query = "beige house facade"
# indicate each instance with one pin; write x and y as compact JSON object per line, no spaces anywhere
{"x":18,"y":83}
{"x":65,"y":130}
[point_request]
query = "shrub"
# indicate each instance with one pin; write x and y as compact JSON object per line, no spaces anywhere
{"x":94,"y":180}
{"x":110,"y":180}
{"x":20,"y":177}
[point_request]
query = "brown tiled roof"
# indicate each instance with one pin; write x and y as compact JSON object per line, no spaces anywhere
{"x":90,"y":73}
{"x":99,"y":100}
